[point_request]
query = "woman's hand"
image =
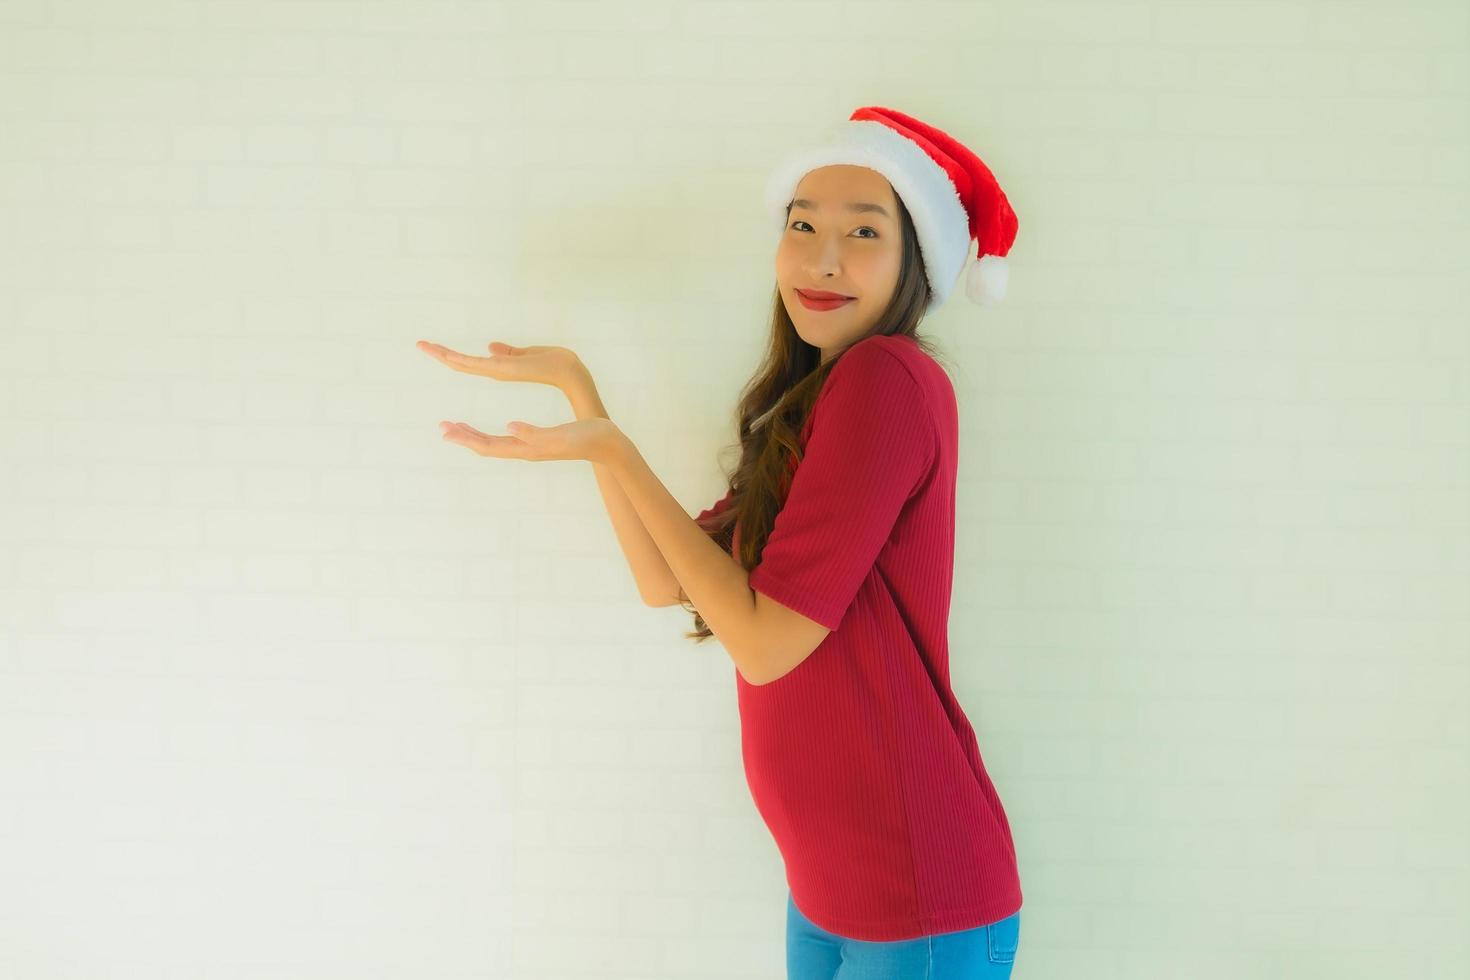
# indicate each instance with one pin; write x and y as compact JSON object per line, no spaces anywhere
{"x":597,"y":440}
{"x":559,"y":367}
{"x":592,"y":439}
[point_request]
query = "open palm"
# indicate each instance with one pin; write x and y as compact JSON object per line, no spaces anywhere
{"x":591,"y":439}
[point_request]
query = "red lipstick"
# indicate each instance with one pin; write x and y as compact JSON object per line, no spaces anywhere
{"x":819,"y":299}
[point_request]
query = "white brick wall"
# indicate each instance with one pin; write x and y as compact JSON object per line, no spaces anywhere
{"x":291,"y":688}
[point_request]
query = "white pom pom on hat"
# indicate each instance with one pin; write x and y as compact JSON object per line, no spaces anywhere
{"x":949,"y":192}
{"x":985,"y":283}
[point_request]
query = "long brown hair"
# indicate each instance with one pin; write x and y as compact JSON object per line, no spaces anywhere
{"x":774,"y":405}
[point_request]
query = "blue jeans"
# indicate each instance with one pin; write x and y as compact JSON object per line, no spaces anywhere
{"x":982,"y":953}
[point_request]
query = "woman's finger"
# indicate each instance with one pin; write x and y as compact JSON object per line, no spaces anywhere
{"x":539,"y":364}
{"x":501,"y":368}
{"x":487,"y":366}
{"x":503,"y":447}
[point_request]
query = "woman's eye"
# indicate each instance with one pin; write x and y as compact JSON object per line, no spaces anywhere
{"x":863,"y":228}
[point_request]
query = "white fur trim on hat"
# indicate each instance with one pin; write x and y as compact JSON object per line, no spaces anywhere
{"x":940,"y":219}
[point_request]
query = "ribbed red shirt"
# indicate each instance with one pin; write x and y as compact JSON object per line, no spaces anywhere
{"x":860,"y":760}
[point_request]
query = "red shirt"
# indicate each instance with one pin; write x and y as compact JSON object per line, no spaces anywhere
{"x":860,"y":760}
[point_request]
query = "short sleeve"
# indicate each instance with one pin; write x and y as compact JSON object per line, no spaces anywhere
{"x":722,"y":504}
{"x":872,"y":443}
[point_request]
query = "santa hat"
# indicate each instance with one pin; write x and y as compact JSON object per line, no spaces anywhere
{"x":951,"y":195}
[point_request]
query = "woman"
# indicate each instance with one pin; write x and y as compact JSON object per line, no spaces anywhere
{"x":826,"y":568}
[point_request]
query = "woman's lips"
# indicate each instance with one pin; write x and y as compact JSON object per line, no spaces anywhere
{"x":821,"y":304}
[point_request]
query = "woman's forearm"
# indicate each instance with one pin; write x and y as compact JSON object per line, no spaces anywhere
{"x":651,"y":573}
{"x":717,"y":585}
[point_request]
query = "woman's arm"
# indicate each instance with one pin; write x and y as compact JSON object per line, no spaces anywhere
{"x":651,"y":573}
{"x":765,"y":638}
{"x":717,"y":585}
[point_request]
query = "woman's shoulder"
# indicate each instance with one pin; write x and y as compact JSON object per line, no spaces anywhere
{"x":897,"y":355}
{"x":878,"y":352}
{"x":890,"y":375}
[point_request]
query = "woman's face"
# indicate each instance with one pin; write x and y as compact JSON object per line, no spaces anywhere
{"x":836,"y":242}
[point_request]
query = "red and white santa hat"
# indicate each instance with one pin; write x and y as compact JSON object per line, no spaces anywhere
{"x":951,"y":195}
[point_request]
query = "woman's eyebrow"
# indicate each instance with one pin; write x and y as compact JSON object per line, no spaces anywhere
{"x":802,"y":202}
